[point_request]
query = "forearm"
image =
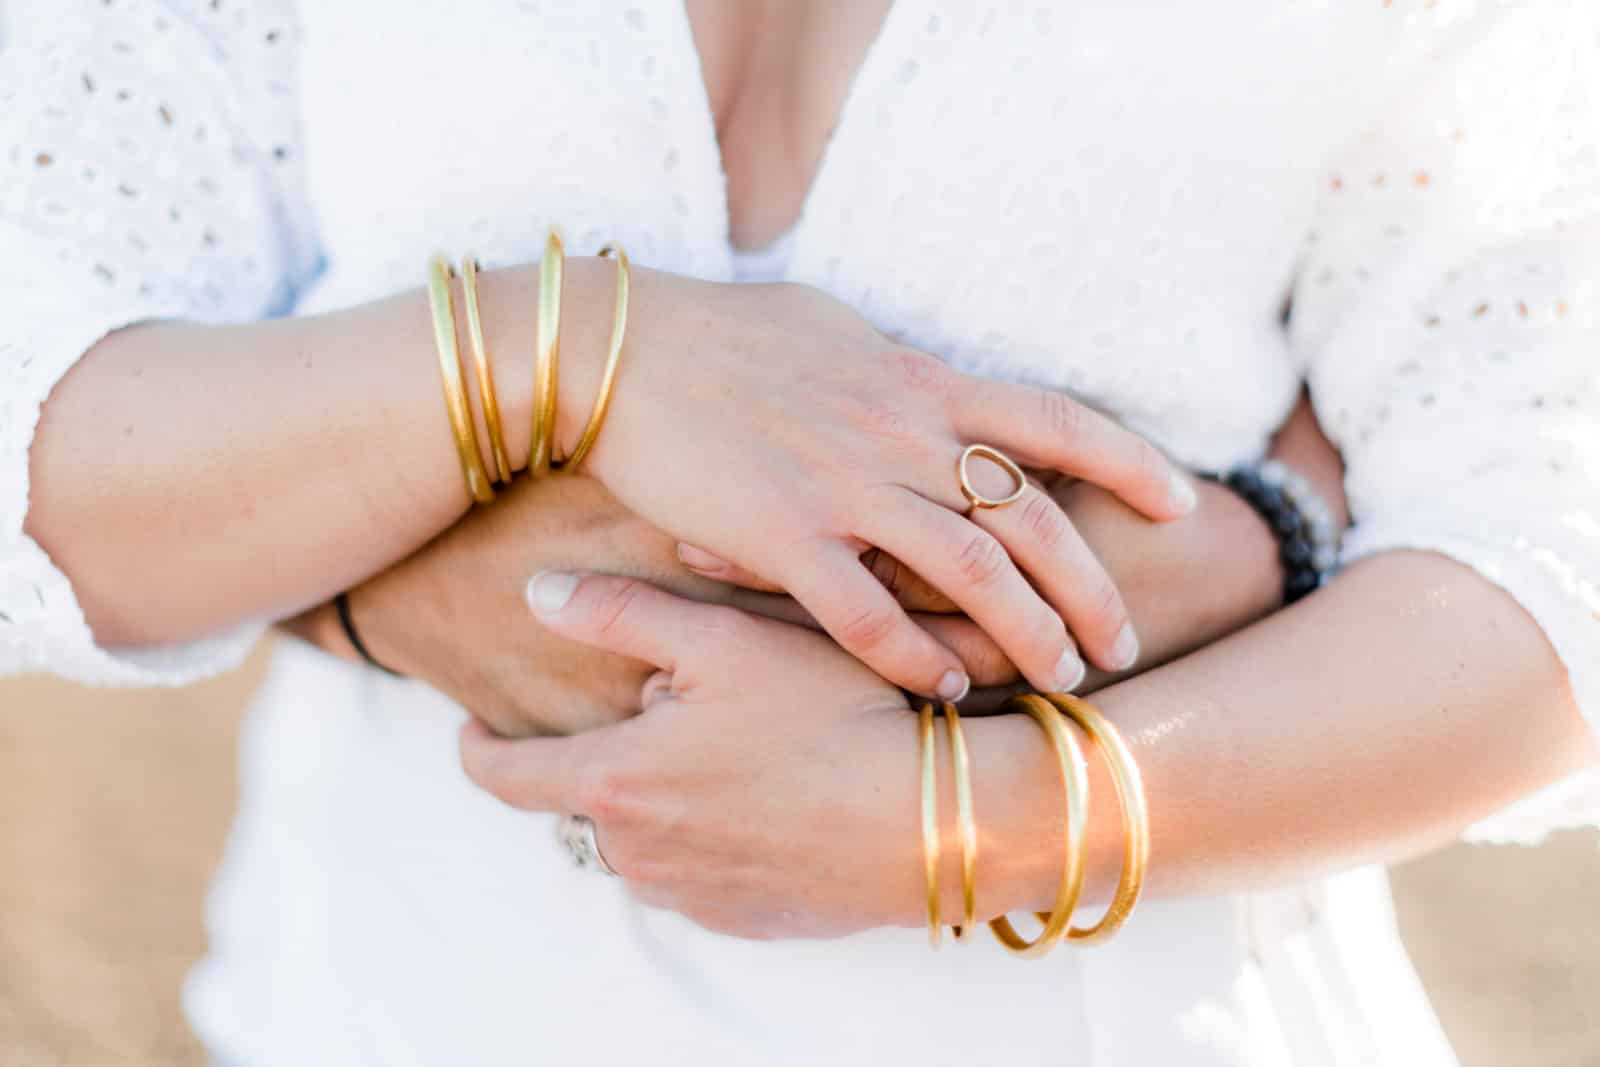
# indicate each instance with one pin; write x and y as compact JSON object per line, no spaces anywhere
{"x":190,"y":477}
{"x":1372,"y":720}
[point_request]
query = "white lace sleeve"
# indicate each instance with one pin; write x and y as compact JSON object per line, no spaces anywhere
{"x":148,"y":169}
{"x":1448,"y":313}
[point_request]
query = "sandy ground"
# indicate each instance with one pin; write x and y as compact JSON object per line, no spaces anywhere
{"x":113,"y":808}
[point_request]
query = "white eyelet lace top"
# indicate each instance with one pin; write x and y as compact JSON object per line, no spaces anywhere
{"x":1114,"y":199}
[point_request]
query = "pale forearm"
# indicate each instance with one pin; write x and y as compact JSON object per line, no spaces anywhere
{"x":1371,"y":721}
{"x":190,"y":477}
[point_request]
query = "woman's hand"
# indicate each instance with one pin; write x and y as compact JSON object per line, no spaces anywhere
{"x":773,"y":426}
{"x":1185,"y":584}
{"x":768,"y":787}
{"x":455,"y":616}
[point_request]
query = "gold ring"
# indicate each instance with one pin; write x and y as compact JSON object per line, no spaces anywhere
{"x":1006,"y":463}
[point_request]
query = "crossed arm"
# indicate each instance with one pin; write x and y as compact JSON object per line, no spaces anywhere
{"x":1369,"y":722}
{"x":770,"y":788}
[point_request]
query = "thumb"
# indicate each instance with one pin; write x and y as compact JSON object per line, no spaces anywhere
{"x":632,"y":618}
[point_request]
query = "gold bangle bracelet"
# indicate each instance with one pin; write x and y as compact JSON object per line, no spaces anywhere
{"x":930,"y":823}
{"x":966,"y":824}
{"x":1135,"y":816}
{"x":552,"y":268}
{"x":619,"y":332}
{"x":1075,"y":790}
{"x":480,"y":358}
{"x":455,"y":382}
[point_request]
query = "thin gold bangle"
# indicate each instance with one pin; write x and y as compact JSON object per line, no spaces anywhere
{"x":1135,"y":816}
{"x":966,"y":824}
{"x":1075,"y":789}
{"x":455,"y":382}
{"x":480,"y":358}
{"x":552,"y":268}
{"x":930,"y":824}
{"x":619,"y":332}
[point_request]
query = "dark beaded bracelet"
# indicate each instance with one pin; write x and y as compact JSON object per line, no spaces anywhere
{"x":1294,"y":531}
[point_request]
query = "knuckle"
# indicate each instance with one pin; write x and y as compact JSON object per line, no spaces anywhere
{"x":885,"y":421}
{"x":1063,"y":417}
{"x":1044,"y":520}
{"x":868,"y":627}
{"x":982,"y":560}
{"x":612,"y":614}
{"x":917,"y":370}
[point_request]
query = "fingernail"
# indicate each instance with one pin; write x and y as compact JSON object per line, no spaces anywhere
{"x":698,"y":559}
{"x":1125,"y":652}
{"x":953,"y":686}
{"x":1069,"y":671}
{"x":1181,"y":491}
{"x":549,"y":591}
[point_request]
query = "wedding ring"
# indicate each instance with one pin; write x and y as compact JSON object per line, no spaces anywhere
{"x":1005,"y":462}
{"x":577,"y":833}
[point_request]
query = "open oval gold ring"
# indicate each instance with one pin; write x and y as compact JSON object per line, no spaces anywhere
{"x":1005,"y":462}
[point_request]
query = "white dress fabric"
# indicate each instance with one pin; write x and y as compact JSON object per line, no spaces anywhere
{"x":1110,"y":198}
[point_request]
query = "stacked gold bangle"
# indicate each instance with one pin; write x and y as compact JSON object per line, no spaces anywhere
{"x":1053,"y":713}
{"x":480,"y":477}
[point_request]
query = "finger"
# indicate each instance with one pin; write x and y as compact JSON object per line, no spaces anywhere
{"x":709,"y":565}
{"x":1045,"y":428}
{"x":973,"y":569}
{"x":629,"y":617}
{"x":909,"y":588}
{"x":912,"y":590}
{"x":1049,"y":548}
{"x":534,"y":773}
{"x":862,"y":616}
{"x":985,"y":661}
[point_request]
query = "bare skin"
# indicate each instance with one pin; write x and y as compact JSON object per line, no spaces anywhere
{"x":1267,"y":757}
{"x":1367,"y":723}
{"x":454,"y":614}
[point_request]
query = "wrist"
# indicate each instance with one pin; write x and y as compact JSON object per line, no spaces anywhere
{"x":1021,"y":815}
{"x":509,"y":299}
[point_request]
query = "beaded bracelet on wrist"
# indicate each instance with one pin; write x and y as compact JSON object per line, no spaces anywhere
{"x":1302,"y":523}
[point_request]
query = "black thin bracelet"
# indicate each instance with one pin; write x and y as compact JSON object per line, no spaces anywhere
{"x":341,"y":604}
{"x":1290,"y":527}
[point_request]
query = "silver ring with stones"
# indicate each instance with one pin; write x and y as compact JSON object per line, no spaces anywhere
{"x":577,"y":834}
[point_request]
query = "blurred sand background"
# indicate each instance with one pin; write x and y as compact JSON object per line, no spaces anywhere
{"x":113,"y":807}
